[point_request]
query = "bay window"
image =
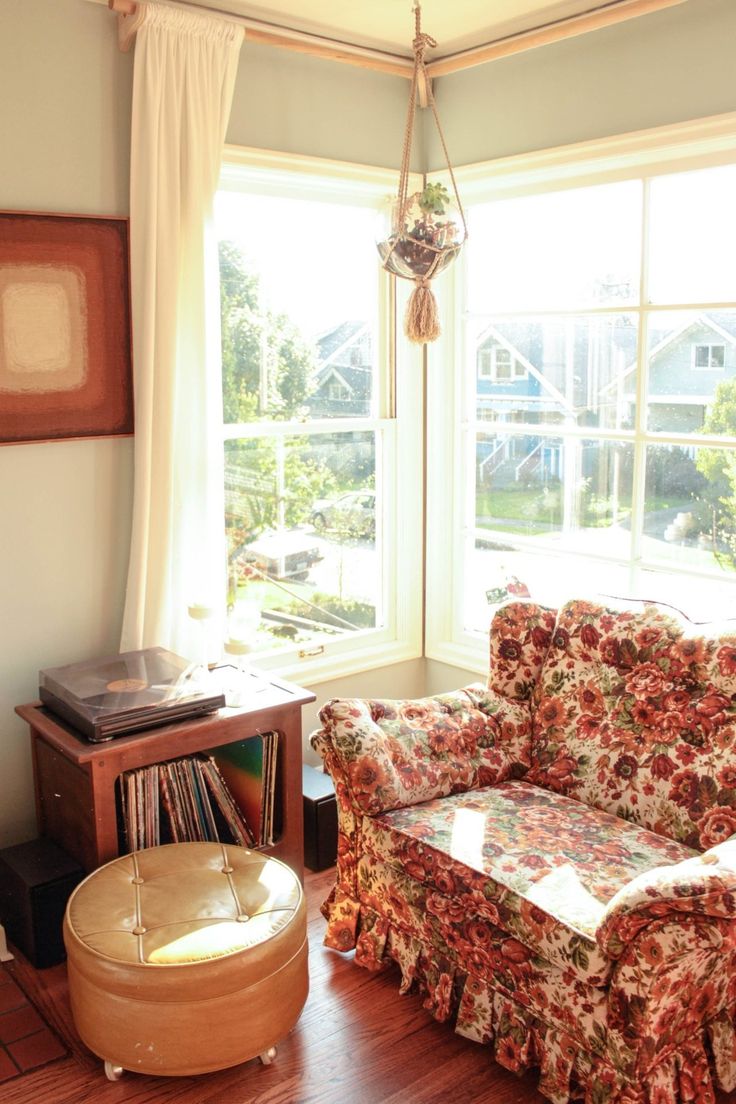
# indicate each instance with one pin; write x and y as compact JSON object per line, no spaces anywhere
{"x":608,"y":466}
{"x":580,"y":404}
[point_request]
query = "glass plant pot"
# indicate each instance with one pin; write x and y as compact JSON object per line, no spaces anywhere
{"x":426,"y":240}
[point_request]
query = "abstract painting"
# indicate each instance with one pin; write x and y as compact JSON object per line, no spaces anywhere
{"x":65,"y":358}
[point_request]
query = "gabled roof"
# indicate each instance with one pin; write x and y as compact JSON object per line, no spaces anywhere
{"x":331,"y":347}
{"x":493,"y":333}
{"x":358,"y":380}
{"x":329,"y":373}
{"x":332,"y":343}
{"x":702,"y":320}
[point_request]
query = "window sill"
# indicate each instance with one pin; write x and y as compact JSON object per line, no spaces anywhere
{"x":311,"y":672}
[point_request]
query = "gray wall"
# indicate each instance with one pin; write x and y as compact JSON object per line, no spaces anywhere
{"x":64,"y":535}
{"x":64,"y":146}
{"x":674,"y":65}
{"x":292,"y":103}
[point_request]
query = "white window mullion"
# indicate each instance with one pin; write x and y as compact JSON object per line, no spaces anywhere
{"x":464,"y":467}
{"x":642,"y":370}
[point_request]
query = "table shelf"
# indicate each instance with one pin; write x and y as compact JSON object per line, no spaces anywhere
{"x":75,"y":780}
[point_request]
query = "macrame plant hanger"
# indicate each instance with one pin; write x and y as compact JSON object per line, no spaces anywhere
{"x":425,"y":238}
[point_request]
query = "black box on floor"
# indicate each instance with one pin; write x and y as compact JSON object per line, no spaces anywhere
{"x":36,"y":880}
{"x":320,"y":819}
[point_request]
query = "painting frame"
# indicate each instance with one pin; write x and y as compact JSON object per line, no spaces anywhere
{"x":65,"y":327}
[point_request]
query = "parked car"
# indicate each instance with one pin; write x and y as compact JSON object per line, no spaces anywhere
{"x":283,"y":555}
{"x":353,"y":513}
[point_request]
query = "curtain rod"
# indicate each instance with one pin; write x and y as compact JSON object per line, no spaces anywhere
{"x":130,"y":15}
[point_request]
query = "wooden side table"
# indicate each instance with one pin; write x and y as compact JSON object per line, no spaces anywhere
{"x":75,"y":779}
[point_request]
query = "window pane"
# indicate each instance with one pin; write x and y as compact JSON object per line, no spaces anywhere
{"x":690,"y":356}
{"x":302,"y":527}
{"x":498,"y":571}
{"x":299,"y":306}
{"x":568,"y":491}
{"x":692,"y":238}
{"x":574,"y":370}
{"x":700,"y":598}
{"x":568,"y":249}
{"x":497,"y":574}
{"x":690,"y":507}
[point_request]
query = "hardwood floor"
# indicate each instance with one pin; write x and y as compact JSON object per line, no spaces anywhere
{"x":357,"y":1040}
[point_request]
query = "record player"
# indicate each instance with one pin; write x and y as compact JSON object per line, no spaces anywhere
{"x":127,"y":693}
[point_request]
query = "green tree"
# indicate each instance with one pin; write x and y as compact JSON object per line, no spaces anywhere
{"x":268,"y":368}
{"x":292,"y":368}
{"x":241,"y":336}
{"x":718,"y":467}
{"x":307,"y":478}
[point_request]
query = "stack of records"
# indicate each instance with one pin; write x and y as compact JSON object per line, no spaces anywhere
{"x":126,"y":693}
{"x":184,"y":799}
{"x":249,"y":770}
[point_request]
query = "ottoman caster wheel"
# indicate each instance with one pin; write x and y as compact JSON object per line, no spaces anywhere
{"x":268,"y":1056}
{"x":113,"y":1072}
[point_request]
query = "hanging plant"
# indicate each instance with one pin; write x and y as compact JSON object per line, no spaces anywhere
{"x":427,"y":228}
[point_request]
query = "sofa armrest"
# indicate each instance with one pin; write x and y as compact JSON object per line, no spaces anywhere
{"x":699,"y":888}
{"x":389,"y":754}
{"x":386,"y":754}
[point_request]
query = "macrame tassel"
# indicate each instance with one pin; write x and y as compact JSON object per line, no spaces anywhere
{"x":422,"y":321}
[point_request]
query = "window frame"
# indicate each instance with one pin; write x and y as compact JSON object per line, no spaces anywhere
{"x":451,"y":427}
{"x":710,"y":346}
{"x":485,"y":364}
{"x":517,"y":371}
{"x":398,"y":432}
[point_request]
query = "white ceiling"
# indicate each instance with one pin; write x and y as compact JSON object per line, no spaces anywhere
{"x":389,"y":24}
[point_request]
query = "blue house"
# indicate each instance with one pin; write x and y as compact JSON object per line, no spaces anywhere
{"x":545,"y":373}
{"x":686,"y":364}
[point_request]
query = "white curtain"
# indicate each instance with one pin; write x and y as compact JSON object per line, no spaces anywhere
{"x":184,"y":74}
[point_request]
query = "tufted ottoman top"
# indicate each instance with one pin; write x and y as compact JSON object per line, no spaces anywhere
{"x":193,"y":917}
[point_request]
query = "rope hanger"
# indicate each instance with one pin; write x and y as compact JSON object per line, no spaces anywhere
{"x":420,"y":246}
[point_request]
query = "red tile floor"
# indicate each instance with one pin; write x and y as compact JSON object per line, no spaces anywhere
{"x":25,"y":1040}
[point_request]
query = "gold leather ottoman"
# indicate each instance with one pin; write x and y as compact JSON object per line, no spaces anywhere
{"x":186,"y":958}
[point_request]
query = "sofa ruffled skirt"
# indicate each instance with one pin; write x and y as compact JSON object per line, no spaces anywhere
{"x":542,"y":1017}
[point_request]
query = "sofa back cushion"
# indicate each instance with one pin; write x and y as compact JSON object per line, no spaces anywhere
{"x":520,"y":636}
{"x":635,"y":713}
{"x":388,"y":754}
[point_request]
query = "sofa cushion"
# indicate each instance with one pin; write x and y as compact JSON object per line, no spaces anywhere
{"x":636,"y":714}
{"x":520,"y":636}
{"x":536,"y":864}
{"x":395,"y":753}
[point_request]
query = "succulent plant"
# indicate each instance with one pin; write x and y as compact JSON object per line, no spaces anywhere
{"x":433,"y":199}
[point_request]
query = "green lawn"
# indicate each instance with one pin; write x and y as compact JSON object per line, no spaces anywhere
{"x":540,"y":511}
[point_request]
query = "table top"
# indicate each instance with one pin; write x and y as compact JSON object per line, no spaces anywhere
{"x":273,"y":698}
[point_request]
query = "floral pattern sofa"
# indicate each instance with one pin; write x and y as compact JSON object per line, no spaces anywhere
{"x":549,"y":858}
